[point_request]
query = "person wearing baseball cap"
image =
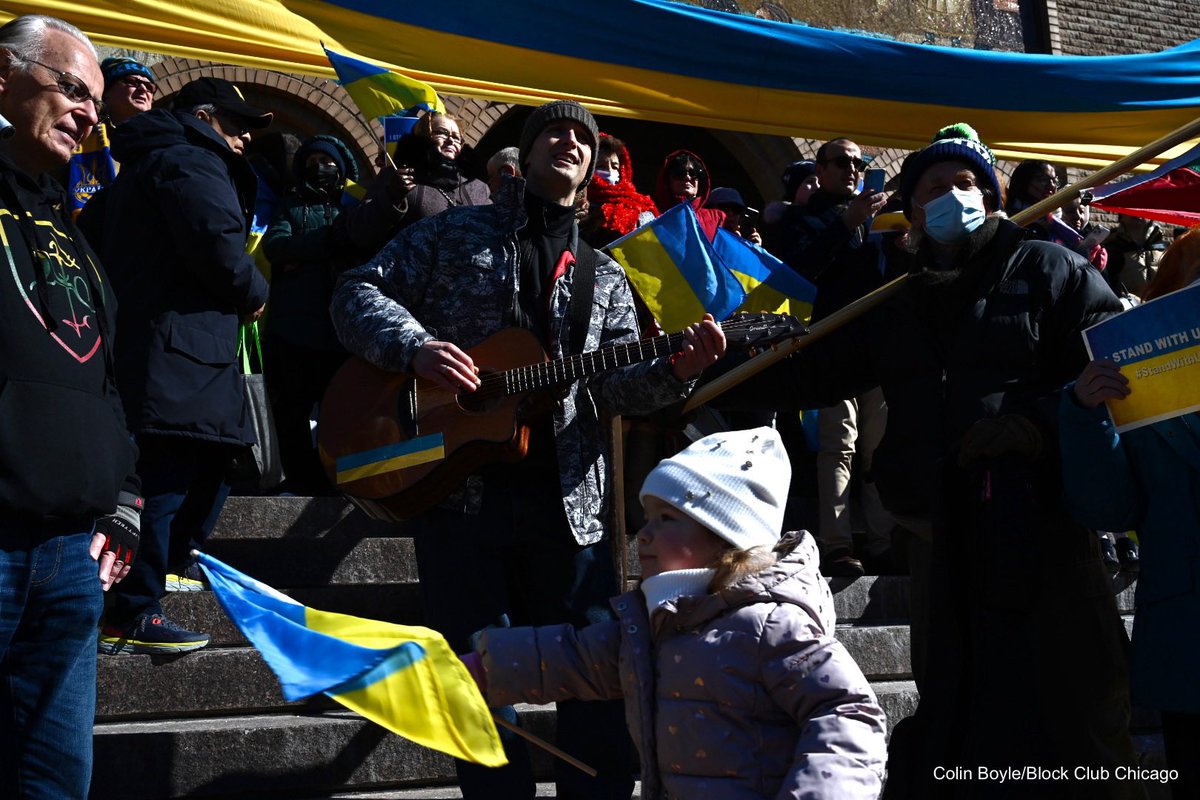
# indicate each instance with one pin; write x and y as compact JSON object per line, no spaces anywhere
{"x":536,"y":529}
{"x":971,"y":352}
{"x":172,"y":231}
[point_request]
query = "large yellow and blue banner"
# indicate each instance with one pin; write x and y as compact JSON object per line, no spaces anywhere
{"x":405,"y":678}
{"x":674,"y":62}
{"x":671,"y":264}
{"x":1157,"y":347}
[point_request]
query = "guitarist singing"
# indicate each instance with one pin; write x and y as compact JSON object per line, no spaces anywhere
{"x":523,"y":543}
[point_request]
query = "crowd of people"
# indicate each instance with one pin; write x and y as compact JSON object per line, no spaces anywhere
{"x":963,"y":412}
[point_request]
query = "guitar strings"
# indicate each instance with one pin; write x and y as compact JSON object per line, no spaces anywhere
{"x":539,"y":376}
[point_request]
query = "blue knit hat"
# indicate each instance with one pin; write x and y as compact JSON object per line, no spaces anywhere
{"x":958,"y":142}
{"x":118,"y":67}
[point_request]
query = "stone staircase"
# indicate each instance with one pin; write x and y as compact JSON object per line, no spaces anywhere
{"x":213,"y":723}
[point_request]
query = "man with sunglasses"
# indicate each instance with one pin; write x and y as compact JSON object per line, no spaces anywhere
{"x":129,"y":90}
{"x":827,"y":242}
{"x":68,"y":497}
{"x":172,"y":230}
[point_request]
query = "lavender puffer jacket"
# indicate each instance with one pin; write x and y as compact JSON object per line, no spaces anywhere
{"x":735,"y":695}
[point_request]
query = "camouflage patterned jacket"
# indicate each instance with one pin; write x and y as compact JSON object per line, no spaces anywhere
{"x":453,"y":277}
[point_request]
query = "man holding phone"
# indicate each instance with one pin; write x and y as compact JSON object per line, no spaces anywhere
{"x":830,"y":246}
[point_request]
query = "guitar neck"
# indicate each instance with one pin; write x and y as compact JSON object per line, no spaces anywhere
{"x":573,"y":368}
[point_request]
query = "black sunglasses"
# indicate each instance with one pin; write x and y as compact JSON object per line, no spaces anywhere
{"x":844,"y":161}
{"x":688,"y":171}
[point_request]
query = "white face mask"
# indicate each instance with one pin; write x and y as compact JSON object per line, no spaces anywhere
{"x":612,"y":176}
{"x":950,"y":218}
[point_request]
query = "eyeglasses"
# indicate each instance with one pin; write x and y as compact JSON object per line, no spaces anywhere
{"x":73,"y":87}
{"x":447,"y":135}
{"x":688,"y":172}
{"x":140,"y":85}
{"x":844,"y":161}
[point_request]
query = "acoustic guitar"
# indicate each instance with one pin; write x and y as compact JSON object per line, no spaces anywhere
{"x":396,"y":444}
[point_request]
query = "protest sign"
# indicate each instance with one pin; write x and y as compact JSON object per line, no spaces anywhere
{"x":1157,"y":347}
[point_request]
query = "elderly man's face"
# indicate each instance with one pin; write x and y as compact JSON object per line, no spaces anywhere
{"x":48,"y":124}
{"x":935,"y":182}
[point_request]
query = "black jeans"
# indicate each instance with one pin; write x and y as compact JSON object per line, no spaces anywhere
{"x":516,"y":563}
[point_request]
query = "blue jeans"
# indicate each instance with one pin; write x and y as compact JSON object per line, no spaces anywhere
{"x":50,"y":602}
{"x":516,"y":563}
{"x":183,"y":482}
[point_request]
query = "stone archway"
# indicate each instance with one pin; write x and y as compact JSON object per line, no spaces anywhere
{"x":303,"y":105}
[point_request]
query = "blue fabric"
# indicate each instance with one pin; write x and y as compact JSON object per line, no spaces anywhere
{"x":516,"y":564}
{"x":50,"y":602}
{"x":1146,"y":480}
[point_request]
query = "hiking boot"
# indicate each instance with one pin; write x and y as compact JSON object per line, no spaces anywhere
{"x":151,"y":634}
{"x":840,"y":564}
{"x":190,"y":579}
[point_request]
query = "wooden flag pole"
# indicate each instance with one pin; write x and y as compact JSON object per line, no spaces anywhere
{"x":1105,"y":174}
{"x":542,"y":743}
{"x":818,"y":330}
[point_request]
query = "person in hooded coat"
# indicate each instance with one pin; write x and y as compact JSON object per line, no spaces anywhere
{"x":684,"y":178}
{"x":302,"y":352}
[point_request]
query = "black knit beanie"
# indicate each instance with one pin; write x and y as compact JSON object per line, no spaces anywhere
{"x":552,"y":112}
{"x":953,"y":143}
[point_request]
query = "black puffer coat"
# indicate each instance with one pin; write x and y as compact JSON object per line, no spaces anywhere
{"x":173,"y":238}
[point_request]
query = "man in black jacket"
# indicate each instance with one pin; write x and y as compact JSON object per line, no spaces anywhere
{"x":68,"y":496}
{"x":1018,"y":650}
{"x":172,"y":230}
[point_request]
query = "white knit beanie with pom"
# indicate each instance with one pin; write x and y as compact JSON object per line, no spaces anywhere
{"x":733,"y":483}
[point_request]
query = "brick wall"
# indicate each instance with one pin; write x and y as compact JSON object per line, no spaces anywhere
{"x":1112,"y":27}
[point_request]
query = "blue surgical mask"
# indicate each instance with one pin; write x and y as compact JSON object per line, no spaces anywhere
{"x":612,"y":176}
{"x":950,"y":218}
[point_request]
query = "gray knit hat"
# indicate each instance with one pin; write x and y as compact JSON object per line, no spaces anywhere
{"x":957,"y":142}
{"x":543,"y":115}
{"x":733,"y":483}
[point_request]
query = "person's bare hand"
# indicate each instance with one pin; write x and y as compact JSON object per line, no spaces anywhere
{"x":256,"y":315}
{"x":704,"y":344}
{"x":863,"y":207}
{"x":1100,"y":380}
{"x":447,"y":366}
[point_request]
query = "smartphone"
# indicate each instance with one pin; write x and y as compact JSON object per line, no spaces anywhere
{"x":873,"y":180}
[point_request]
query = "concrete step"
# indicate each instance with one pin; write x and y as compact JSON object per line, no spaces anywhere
{"x":280,"y":755}
{"x":234,"y":680}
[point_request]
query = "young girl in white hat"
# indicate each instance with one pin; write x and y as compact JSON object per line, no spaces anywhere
{"x":733,"y":682}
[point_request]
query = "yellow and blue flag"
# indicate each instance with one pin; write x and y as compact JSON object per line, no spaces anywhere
{"x":379,"y":92}
{"x":671,"y":264}
{"x":770,"y":284}
{"x":405,"y":678}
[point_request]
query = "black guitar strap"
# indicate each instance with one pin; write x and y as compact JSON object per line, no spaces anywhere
{"x":583,"y":294}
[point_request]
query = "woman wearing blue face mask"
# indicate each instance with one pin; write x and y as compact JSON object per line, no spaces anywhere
{"x":971,"y":353}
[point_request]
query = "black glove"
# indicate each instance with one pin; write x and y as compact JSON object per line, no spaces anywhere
{"x":1008,"y":434}
{"x":122,"y":528}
